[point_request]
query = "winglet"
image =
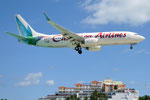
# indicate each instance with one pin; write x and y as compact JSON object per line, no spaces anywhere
{"x":46,"y":16}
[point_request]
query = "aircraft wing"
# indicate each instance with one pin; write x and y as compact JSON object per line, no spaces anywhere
{"x":70,"y":36}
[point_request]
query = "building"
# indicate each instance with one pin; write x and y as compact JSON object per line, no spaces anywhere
{"x":127,"y":94}
{"x":110,"y":85}
{"x":116,"y":90}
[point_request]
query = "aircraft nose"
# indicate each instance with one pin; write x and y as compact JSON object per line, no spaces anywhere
{"x":142,"y":38}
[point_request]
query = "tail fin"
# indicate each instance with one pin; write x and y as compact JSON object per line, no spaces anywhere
{"x":24,"y":28}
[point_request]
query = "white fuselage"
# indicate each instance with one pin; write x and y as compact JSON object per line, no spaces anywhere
{"x":104,"y":38}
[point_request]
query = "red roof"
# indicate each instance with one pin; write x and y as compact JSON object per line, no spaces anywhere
{"x":62,"y":87}
{"x":95,"y":82}
{"x":78,"y":85}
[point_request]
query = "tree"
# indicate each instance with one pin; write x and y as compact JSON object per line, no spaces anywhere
{"x":68,"y":98}
{"x":72,"y":97}
{"x":98,"y":96}
{"x":146,"y":97}
{"x":85,"y":98}
{"x":53,"y":99}
{"x":115,"y":87}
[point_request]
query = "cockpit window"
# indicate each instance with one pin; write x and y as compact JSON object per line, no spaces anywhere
{"x":136,"y":34}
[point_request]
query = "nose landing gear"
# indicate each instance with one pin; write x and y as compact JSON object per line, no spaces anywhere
{"x":131,"y":46}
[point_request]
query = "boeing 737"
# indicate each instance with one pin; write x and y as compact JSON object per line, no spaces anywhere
{"x":90,"y":41}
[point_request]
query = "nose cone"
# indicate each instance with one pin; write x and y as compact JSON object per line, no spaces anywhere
{"x":141,"y":38}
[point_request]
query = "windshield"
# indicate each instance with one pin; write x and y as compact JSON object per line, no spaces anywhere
{"x":136,"y":34}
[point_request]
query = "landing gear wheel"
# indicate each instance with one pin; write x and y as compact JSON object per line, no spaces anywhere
{"x":80,"y":51}
{"x":131,"y":47}
{"x":77,"y":48}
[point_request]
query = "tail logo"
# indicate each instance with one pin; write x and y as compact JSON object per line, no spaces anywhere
{"x":29,"y":32}
{"x":24,"y":31}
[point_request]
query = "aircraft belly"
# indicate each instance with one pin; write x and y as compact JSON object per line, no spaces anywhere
{"x":53,"y":44}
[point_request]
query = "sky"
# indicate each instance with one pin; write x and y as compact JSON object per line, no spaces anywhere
{"x":29,"y":72}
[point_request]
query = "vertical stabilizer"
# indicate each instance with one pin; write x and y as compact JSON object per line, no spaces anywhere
{"x":24,"y":28}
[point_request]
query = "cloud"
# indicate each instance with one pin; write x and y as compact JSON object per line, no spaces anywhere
{"x":51,"y":67}
{"x":126,"y":50}
{"x":81,"y":82}
{"x":132,"y":82}
{"x":30,"y":79}
{"x":1,"y":76}
{"x":116,"y":69}
{"x":87,"y":2}
{"x":132,"y":12}
{"x":143,"y":51}
{"x":147,"y":85}
{"x":56,"y":0}
{"x":50,"y":82}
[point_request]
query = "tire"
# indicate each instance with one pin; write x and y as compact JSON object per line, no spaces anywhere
{"x":131,"y":47}
{"x":80,"y":51}
{"x":76,"y":48}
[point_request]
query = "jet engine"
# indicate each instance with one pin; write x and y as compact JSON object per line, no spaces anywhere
{"x":93,"y":48}
{"x":91,"y":42}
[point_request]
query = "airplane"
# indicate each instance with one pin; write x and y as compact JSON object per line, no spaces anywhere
{"x":90,"y":41}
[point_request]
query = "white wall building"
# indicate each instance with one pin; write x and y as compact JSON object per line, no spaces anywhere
{"x":125,"y":96}
{"x":116,"y":90}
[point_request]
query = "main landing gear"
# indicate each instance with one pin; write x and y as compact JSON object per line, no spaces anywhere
{"x":79,"y":49}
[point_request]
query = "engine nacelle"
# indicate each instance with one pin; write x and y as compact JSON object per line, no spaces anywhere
{"x":91,"y":42}
{"x":94,"y":48}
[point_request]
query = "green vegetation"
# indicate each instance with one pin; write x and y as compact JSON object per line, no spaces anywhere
{"x":146,"y":97}
{"x":72,"y":97}
{"x":86,"y":98}
{"x":53,"y":99}
{"x":115,"y":87}
{"x":98,"y":96}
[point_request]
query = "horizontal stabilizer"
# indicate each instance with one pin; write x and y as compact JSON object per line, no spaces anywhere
{"x":30,"y":41}
{"x":17,"y":36}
